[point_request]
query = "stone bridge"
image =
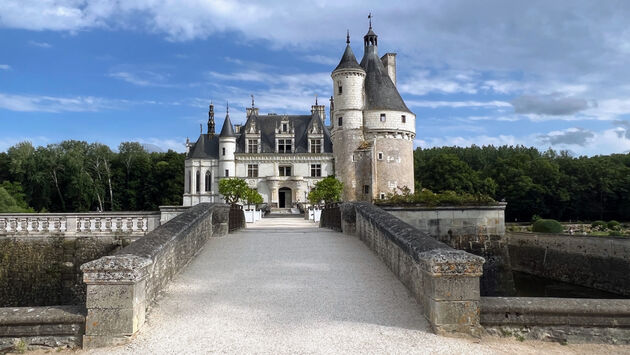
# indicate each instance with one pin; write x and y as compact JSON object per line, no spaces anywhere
{"x":285,"y":285}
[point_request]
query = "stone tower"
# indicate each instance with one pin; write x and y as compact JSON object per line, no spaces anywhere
{"x":227,"y":148}
{"x":372,"y":128}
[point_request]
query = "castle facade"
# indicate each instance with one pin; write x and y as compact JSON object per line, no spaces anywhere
{"x":368,"y":144}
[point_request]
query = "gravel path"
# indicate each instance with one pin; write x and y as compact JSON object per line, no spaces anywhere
{"x":284,"y":286}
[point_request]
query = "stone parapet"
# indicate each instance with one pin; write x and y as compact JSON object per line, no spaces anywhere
{"x":40,"y":327}
{"x":443,"y":280}
{"x":121,"y":287}
{"x":564,"y":320}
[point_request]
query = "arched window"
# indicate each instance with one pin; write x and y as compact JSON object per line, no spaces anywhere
{"x":208,"y":181}
{"x":197,"y":181}
{"x":188,"y":181}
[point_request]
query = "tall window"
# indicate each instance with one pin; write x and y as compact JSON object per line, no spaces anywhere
{"x":366,"y":189}
{"x":284,"y":171}
{"x":189,"y":181}
{"x":382,"y":117}
{"x":252,"y":170}
{"x":252,"y":145}
{"x":316,"y":170}
{"x":208,"y":181}
{"x":403,"y":118}
{"x":340,"y":91}
{"x":227,"y":172}
{"x":316,"y":145}
{"x":284,"y":146}
{"x":223,"y":151}
{"x":339,"y":121}
{"x":198,"y":181}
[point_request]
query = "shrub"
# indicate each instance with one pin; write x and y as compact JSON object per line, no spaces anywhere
{"x":427,"y":197}
{"x":547,"y":226}
{"x":614,"y":225}
{"x":535,"y":218}
{"x":615,"y":233}
{"x":599,"y":225}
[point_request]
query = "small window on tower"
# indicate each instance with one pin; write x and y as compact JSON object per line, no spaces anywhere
{"x":339,"y":121}
{"x":403,"y":118}
{"x":380,"y":155}
{"x":223,"y":151}
{"x":366,"y":189}
{"x":227,"y":172}
{"x":340,"y":89}
{"x":382,"y":117}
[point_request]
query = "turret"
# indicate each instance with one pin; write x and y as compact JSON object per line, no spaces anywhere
{"x":227,"y":147}
{"x":347,"y":117}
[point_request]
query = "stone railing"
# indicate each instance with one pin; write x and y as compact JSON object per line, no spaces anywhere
{"x":121,"y":287}
{"x":564,"y":320}
{"x":444,"y":281}
{"x":52,"y":327}
{"x":79,"y":224}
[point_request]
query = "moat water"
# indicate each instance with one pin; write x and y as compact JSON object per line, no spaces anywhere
{"x":533,"y":286}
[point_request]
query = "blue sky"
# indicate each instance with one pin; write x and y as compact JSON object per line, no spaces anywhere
{"x":538,"y":73}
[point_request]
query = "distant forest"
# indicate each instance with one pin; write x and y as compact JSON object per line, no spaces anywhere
{"x":75,"y":176}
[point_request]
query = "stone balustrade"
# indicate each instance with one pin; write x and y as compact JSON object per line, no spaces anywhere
{"x":74,"y":224}
{"x":444,"y":281}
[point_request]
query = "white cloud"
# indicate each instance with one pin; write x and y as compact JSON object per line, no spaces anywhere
{"x":571,"y":136}
{"x":320,"y":59}
{"x":145,"y":78}
{"x":457,"y":104}
{"x":8,"y":142}
{"x":38,"y":103}
{"x":177,"y":144}
{"x":40,"y":44}
{"x":5,"y":67}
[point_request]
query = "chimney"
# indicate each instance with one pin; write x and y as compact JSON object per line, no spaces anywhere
{"x":389,"y":62}
{"x":320,"y":109}
{"x":251,"y":111}
{"x":237,"y":128}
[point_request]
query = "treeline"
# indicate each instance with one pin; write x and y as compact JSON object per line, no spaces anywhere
{"x":75,"y":176}
{"x":548,"y":184}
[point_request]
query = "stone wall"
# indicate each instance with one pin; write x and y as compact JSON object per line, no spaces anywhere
{"x":45,"y":327}
{"x":444,"y":281}
{"x":597,"y":262}
{"x":121,"y":287}
{"x":479,"y":230}
{"x":558,"y":319}
{"x":44,"y":271}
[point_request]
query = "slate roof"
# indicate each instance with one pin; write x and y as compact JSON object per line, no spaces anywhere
{"x":348,"y":60}
{"x":380,"y":91}
{"x":206,"y":147}
{"x":267,"y":124}
{"x":227,"y":130}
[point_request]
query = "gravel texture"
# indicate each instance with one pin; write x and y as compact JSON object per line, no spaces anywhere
{"x":284,"y":286}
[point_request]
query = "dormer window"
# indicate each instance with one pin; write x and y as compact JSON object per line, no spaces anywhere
{"x":285,"y":127}
{"x":316,"y":145}
{"x":252,"y":145}
{"x":383,"y":117}
{"x":284,"y":145}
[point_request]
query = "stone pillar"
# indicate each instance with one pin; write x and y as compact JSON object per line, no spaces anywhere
{"x":450,"y":290}
{"x":115,"y":300}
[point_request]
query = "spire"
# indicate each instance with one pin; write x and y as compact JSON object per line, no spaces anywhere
{"x":315,"y":99}
{"x":370,"y":38}
{"x":252,"y":95}
{"x":348,"y":60}
{"x":227,"y":130}
{"x":211,"y":119}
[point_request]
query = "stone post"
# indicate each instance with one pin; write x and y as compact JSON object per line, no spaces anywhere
{"x":450,"y":290}
{"x":116,"y":298}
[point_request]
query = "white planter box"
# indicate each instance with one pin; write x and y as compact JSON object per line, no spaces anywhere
{"x":317,"y":215}
{"x":249,"y":216}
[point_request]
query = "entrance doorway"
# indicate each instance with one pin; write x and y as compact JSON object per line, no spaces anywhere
{"x":284,"y":197}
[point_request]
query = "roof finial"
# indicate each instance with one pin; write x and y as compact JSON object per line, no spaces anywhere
{"x":200,"y":128}
{"x":227,"y":106}
{"x":348,"y":37}
{"x":370,"y":18}
{"x":252,"y":95}
{"x":315,"y":99}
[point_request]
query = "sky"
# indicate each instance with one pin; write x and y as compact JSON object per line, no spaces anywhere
{"x":549,"y":74}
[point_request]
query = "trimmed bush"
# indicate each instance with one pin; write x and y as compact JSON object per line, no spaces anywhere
{"x":547,"y":226}
{"x":599,"y":225}
{"x":614,"y":225}
{"x":615,"y":233}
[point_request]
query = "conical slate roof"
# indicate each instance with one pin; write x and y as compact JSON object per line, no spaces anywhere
{"x":348,"y":60}
{"x":380,"y":91}
{"x":227,"y":130}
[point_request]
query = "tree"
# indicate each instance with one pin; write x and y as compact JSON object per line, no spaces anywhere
{"x":253,"y":197}
{"x":11,"y":199}
{"x":328,"y":190}
{"x":233,"y":189}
